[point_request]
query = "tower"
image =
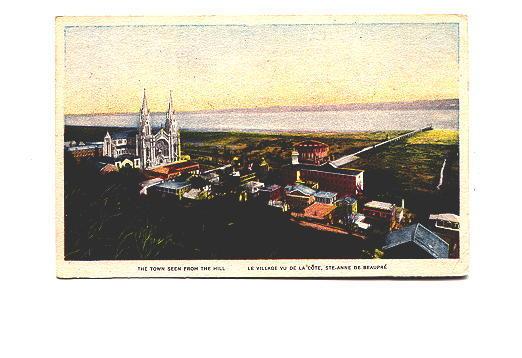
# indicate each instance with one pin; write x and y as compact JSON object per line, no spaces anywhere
{"x":144,"y":138}
{"x":107,"y":145}
{"x":172,"y":129}
{"x":295,"y":157}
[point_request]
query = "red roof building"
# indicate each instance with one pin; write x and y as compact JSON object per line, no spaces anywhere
{"x":173,"y":170}
{"x":312,"y":152}
{"x":319,"y":212}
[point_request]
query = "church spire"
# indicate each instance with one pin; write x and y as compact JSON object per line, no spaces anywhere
{"x":144,"y":106}
{"x":144,"y":123}
{"x":170,"y":120}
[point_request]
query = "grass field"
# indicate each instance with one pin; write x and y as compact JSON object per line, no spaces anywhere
{"x":408,"y":169}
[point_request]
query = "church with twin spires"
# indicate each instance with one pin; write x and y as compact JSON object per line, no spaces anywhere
{"x":144,"y":147}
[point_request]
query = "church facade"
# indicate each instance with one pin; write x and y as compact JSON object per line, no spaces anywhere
{"x":152,"y":149}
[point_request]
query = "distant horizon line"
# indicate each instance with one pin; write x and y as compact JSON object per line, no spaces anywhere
{"x":442,"y":104}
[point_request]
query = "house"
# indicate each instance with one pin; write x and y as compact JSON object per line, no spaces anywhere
{"x":299,"y":196}
{"x":345,"y":208}
{"x":145,"y":185}
{"x":172,"y":188}
{"x":196,"y":194}
{"x":211,"y":177}
{"x":325,"y":197}
{"x":446,"y":221}
{"x":356,"y":223}
{"x":171,"y":171}
{"x":81,"y":151}
{"x":380,"y":211}
{"x":253,"y":187}
{"x":349,"y":204}
{"x":319,"y":212}
{"x":447,"y":226}
{"x":415,"y":242}
{"x":271,"y":193}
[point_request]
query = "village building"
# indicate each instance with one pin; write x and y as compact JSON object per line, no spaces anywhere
{"x":299,"y":196}
{"x":145,"y":185}
{"x":172,"y":188}
{"x":448,"y":221}
{"x":345,"y":208}
{"x":310,"y":165}
{"x":355,"y":223}
{"x":174,"y":170}
{"x":380,"y":211}
{"x":197,"y":194}
{"x":447,"y":226}
{"x":128,"y":161}
{"x":325,"y":197}
{"x":312,"y":152}
{"x":211,"y":177}
{"x":319,"y":212}
{"x":349,"y":204}
{"x":153,"y":149}
{"x":344,"y":182}
{"x":415,"y":242}
{"x":271,"y":193}
{"x":253,"y":187}
{"x":82,"y":151}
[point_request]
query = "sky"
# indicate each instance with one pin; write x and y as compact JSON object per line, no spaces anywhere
{"x":245,"y":66}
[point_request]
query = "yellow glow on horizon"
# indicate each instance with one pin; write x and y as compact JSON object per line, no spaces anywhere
{"x":220,"y":66}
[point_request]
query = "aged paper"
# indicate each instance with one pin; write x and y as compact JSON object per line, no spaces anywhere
{"x":262,"y":146}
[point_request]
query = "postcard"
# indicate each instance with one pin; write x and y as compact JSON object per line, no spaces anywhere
{"x":262,"y":146}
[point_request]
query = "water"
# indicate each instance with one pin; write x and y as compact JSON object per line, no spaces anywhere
{"x":326,"y":121}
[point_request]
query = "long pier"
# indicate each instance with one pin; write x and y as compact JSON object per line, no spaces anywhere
{"x":351,"y":157}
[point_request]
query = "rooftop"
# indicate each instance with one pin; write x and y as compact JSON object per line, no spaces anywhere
{"x":420,"y":236}
{"x":171,"y":168}
{"x":445,"y":217}
{"x":82,"y":147}
{"x":254,"y":184}
{"x":349,"y":200}
{"x":192,"y":194}
{"x":303,"y":189}
{"x":173,"y":185}
{"x":272,"y":187}
{"x":123,"y":133}
{"x":318,"y":210}
{"x":379,"y":205}
{"x":327,"y":168}
{"x":325,"y":194}
{"x":311,"y":144}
